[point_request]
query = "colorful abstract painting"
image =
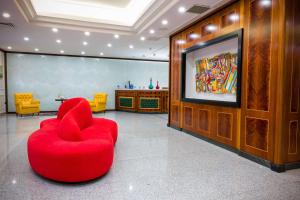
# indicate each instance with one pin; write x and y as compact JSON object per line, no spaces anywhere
{"x":217,"y":75}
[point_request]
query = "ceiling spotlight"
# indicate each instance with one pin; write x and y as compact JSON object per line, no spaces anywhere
{"x":194,"y":36}
{"x":9,"y":47}
{"x":143,"y":38}
{"x":152,"y":31}
{"x":101,"y":54}
{"x":36,"y":49}
{"x":180,"y":41}
{"x":85,"y":43}
{"x":265,"y":3}
{"x":234,"y":17}
{"x":211,"y":28}
{"x":58,"y":41}
{"x":116,"y":36}
{"x":82,"y":53}
{"x":131,"y":46}
{"x":55,"y":30}
{"x":109,"y":45}
{"x":164,"y":22}
{"x":181,"y":9}
{"x":6,"y":15}
{"x":87,"y":33}
{"x":26,"y":38}
{"x":62,"y":51}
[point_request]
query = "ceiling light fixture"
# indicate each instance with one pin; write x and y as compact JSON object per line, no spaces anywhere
{"x":180,"y":41}
{"x":116,"y":36}
{"x":6,"y":15}
{"x":36,"y":49}
{"x":55,"y":30}
{"x":58,"y":41}
{"x":181,"y":9}
{"x":143,"y":38}
{"x":211,"y":28}
{"x":85,"y":43}
{"x":234,"y":17}
{"x":62,"y":51}
{"x":101,"y":54}
{"x":131,"y":46}
{"x":164,"y":22}
{"x":87,"y":33}
{"x":265,"y":3}
{"x":82,"y":53}
{"x":26,"y":38}
{"x":194,"y":36}
{"x":9,"y":47}
{"x":109,"y":45}
{"x":152,"y":31}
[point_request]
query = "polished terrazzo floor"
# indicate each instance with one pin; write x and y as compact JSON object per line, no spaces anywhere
{"x":152,"y":161}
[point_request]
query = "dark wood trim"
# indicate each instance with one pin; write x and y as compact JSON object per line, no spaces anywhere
{"x":79,"y":56}
{"x":208,"y":15}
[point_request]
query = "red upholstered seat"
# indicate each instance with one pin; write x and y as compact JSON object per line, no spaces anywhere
{"x":73,"y":147}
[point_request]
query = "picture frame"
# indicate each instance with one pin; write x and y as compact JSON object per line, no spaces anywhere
{"x":211,"y":71}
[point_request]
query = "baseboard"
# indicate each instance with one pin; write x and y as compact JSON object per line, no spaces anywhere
{"x":274,"y":167}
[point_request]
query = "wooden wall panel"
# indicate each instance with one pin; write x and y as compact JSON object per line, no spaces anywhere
{"x":224,"y":125}
{"x":259,"y":56}
{"x":291,"y":91}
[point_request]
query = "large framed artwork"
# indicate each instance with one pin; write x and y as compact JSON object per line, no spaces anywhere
{"x":211,"y":71}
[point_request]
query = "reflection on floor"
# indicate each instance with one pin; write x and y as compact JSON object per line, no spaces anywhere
{"x":152,"y":161}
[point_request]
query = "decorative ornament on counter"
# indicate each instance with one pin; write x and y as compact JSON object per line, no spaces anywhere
{"x":157,"y":86}
{"x":151,"y":85}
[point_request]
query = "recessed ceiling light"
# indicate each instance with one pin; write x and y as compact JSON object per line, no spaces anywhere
{"x":131,"y":46}
{"x":181,"y":9}
{"x":6,"y":15}
{"x":234,"y":17}
{"x":101,"y":54}
{"x":164,"y":22}
{"x":87,"y":33}
{"x":26,"y":38}
{"x":62,"y":51}
{"x":116,"y":36}
{"x":109,"y":45}
{"x":180,"y":41}
{"x":36,"y":49}
{"x":265,"y":3}
{"x":143,"y":38}
{"x":55,"y":30}
{"x":82,"y":53}
{"x":85,"y":43}
{"x":9,"y":47}
{"x":211,"y":28}
{"x":152,"y":31}
{"x":194,"y":36}
{"x":58,"y":41}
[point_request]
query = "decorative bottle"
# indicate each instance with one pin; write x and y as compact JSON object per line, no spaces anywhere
{"x":151,"y":85}
{"x":157,"y":86}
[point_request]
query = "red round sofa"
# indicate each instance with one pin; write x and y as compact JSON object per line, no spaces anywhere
{"x":73,"y":147}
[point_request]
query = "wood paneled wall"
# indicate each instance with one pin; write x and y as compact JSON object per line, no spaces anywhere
{"x":267,"y":124}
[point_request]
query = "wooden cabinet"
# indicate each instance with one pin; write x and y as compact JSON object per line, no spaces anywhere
{"x":143,"y":101}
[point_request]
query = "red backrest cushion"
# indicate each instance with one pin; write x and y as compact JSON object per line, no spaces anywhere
{"x":74,"y":119}
{"x":66,"y":106}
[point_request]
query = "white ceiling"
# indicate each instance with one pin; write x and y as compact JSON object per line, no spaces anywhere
{"x":71,"y":32}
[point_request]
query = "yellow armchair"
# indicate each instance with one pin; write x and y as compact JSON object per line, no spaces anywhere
{"x":99,"y":102}
{"x":25,"y":104}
